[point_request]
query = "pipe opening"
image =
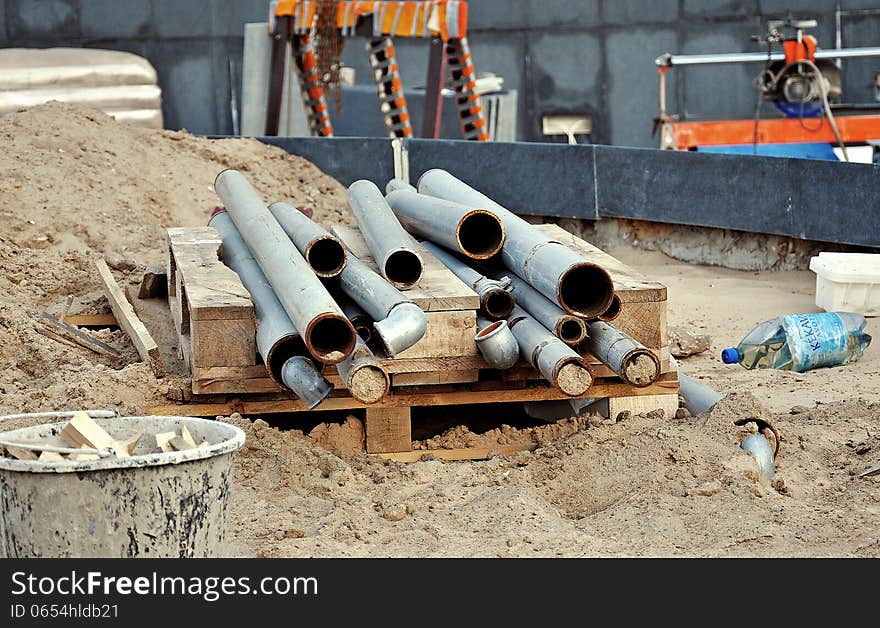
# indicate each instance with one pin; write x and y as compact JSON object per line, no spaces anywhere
{"x":641,"y":369}
{"x":570,"y":331}
{"x":368,"y":384}
{"x":330,"y":339}
{"x":282,"y":351}
{"x":486,"y":331}
{"x":480,"y":234}
{"x":613,"y":310}
{"x":403,"y":268}
{"x":585,"y":290}
{"x":573,"y":379}
{"x":498,"y":304}
{"x":364,"y":329}
{"x":326,"y":256}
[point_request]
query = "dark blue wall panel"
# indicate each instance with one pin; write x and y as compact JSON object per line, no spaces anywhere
{"x":345,"y":158}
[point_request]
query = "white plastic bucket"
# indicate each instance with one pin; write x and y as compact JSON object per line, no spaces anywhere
{"x":848,"y":282}
{"x":163,"y":505}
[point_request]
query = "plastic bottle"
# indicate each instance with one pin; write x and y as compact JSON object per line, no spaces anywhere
{"x":800,"y":342}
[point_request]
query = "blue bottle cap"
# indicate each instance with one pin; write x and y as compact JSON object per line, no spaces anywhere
{"x":730,"y":356}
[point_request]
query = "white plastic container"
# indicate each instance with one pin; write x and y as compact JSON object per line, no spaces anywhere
{"x":848,"y":282}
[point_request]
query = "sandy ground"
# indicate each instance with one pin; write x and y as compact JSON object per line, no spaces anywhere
{"x":78,"y":186}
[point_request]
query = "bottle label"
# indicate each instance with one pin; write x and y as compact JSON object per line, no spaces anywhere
{"x":815,"y":340}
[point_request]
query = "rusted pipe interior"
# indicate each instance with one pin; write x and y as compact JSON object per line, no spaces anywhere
{"x":480,"y":234}
{"x":570,"y":331}
{"x":330,"y":338}
{"x":613,"y":310}
{"x":326,"y":256}
{"x":403,"y":268}
{"x":498,"y":303}
{"x":585,"y":290}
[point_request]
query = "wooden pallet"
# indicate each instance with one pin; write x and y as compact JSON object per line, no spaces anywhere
{"x":388,"y":426}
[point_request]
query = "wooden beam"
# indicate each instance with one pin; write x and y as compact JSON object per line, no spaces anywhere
{"x":68,"y":334}
{"x":388,"y":429}
{"x":91,"y":320}
{"x":667,"y":383}
{"x":129,"y":322}
{"x":470,"y":453}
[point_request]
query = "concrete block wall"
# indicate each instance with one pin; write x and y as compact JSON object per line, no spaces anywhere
{"x":563,"y":56}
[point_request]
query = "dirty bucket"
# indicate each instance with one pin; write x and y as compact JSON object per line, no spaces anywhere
{"x":165,"y":505}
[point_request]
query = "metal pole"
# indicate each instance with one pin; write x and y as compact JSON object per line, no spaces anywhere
{"x":555,"y":360}
{"x":477,"y":233}
{"x":433,"y":113}
{"x":328,"y":334}
{"x":323,"y":251}
{"x":567,"y":278}
{"x":570,"y":329}
{"x":391,"y":246}
{"x":279,"y":342}
{"x":495,"y":299}
{"x":670,"y":60}
{"x":635,"y":364}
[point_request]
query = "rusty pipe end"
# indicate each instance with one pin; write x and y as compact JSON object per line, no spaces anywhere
{"x":368,"y":382}
{"x":613,"y":310}
{"x":402,"y":268}
{"x":570,"y":329}
{"x":496,"y":303}
{"x":284,"y":348}
{"x":585,"y":289}
{"x":640,"y":367}
{"x":480,"y":234}
{"x":330,"y":338}
{"x":573,"y":376}
{"x":326,"y":255}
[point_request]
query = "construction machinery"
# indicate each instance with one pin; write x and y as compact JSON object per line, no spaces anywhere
{"x":316,"y":31}
{"x":800,"y":79}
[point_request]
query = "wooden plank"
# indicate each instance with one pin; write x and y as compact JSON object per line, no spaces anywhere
{"x":435,"y":377}
{"x":91,"y":320}
{"x":68,"y":334}
{"x":630,"y":284}
{"x":645,"y":321}
{"x":449,"y":334}
{"x":230,"y":342}
{"x":129,"y":322}
{"x":388,"y":429}
{"x":82,"y":431}
{"x":470,"y":453}
{"x":460,"y":394}
{"x":642,"y":405}
{"x":439,"y":289}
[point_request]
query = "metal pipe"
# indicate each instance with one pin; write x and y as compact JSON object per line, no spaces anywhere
{"x":631,"y":360}
{"x":476,"y":233}
{"x":362,"y":322}
{"x":570,"y":329}
{"x":567,"y":278}
{"x":555,"y":360}
{"x":698,"y":398}
{"x":398,"y":184}
{"x":613,"y":310}
{"x":400,"y":323}
{"x":323,"y":251}
{"x":497,"y":343}
{"x":329,"y":336}
{"x":365,"y":378}
{"x":496,"y":302}
{"x":391,"y":246}
{"x":668,"y":60}
{"x":279,"y":342}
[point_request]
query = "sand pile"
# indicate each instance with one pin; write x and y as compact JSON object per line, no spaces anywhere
{"x":77,"y":185}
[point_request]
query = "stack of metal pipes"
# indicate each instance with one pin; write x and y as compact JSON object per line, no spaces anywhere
{"x":317,"y":304}
{"x":540,"y":300}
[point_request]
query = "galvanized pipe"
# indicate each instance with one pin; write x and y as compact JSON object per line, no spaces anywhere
{"x":668,"y":60}
{"x":613,"y":310}
{"x":624,"y":355}
{"x":391,"y":246}
{"x":476,"y":233}
{"x":323,"y":251}
{"x":570,"y":329}
{"x":555,"y":360}
{"x":496,"y":302}
{"x":328,"y":334}
{"x":567,"y":278}
{"x":364,"y":376}
{"x":398,"y":184}
{"x":362,"y":322}
{"x":279,"y":342}
{"x":400,"y":323}
{"x":496,"y":343}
